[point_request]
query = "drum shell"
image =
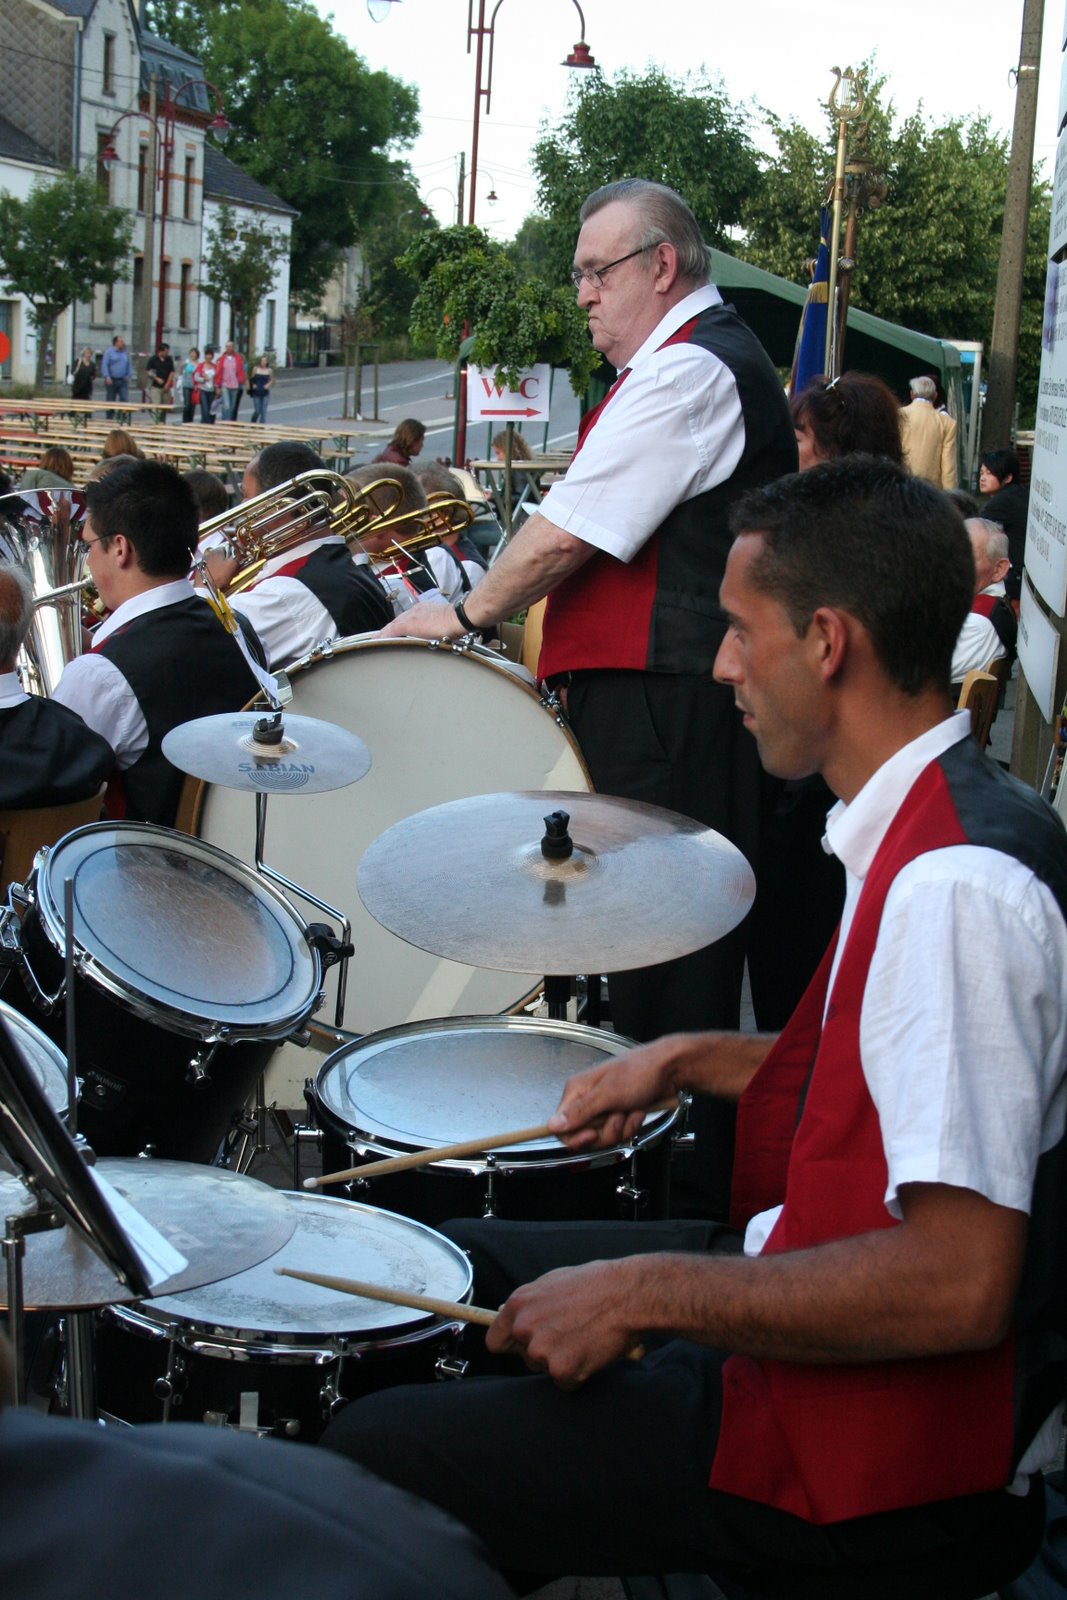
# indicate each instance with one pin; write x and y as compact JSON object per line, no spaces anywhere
{"x":494,"y":1060}
{"x":295,"y":1351}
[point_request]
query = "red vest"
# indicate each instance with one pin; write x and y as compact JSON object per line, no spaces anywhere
{"x":827,"y":1443}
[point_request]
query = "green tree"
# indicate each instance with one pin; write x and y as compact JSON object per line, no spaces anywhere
{"x":683,"y":132}
{"x":57,"y":245}
{"x":310,"y":119}
{"x":927,"y":258}
{"x":241,"y":257}
{"x":466,"y":279}
{"x":389,"y":292}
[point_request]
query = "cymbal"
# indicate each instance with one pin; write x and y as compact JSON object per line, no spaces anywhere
{"x":311,"y":757}
{"x":221,"y":1221}
{"x":470,"y":881}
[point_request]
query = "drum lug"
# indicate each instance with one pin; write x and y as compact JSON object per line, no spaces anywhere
{"x":197,"y":1070}
{"x":489,"y":1208}
{"x":170,"y":1386}
{"x":448,"y":1367}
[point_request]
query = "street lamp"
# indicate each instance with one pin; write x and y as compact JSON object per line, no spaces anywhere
{"x":425,"y":210}
{"x":581,"y":56}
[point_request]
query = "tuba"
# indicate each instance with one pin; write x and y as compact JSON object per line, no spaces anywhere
{"x":40,"y":531}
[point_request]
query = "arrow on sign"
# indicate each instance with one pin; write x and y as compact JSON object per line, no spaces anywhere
{"x":531,"y":411}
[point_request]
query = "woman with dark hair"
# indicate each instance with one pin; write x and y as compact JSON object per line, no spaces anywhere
{"x":406,"y":443}
{"x":856,"y":412}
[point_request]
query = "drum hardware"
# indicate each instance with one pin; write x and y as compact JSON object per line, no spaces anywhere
{"x":448,"y":1367}
{"x":489,"y":1204}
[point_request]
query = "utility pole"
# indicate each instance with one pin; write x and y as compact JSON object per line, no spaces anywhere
{"x":148,"y":276}
{"x":1004,"y":348}
{"x":460,"y":187}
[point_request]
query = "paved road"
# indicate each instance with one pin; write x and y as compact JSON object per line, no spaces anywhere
{"x":307,"y":396}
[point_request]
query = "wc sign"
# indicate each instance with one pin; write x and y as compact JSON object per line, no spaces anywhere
{"x":490,"y":400}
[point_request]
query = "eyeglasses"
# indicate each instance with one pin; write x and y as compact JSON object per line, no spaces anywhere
{"x":102,"y":538}
{"x":594,"y":276}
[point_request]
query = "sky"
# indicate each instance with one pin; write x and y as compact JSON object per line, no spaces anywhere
{"x":952,"y":56}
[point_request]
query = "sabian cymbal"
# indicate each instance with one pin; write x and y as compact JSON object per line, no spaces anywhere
{"x":471,"y":881}
{"x":221,"y":1222}
{"x":232,"y":749}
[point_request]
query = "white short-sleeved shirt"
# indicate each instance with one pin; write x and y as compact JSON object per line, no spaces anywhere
{"x":672,"y":430}
{"x":288,"y":618}
{"x":979,"y":642}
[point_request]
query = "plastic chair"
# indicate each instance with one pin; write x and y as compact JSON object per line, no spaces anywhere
{"x":978,"y":695}
{"x":23,"y":833}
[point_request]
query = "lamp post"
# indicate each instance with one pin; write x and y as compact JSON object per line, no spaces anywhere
{"x":477,"y":33}
{"x":164,"y":122}
{"x":440,"y":189}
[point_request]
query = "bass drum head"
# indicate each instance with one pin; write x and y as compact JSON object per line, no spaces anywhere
{"x":44,"y":1059}
{"x":180,"y":933}
{"x":441,"y":725}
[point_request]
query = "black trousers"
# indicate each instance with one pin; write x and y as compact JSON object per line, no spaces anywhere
{"x":679,"y":742}
{"x":613,"y":1479}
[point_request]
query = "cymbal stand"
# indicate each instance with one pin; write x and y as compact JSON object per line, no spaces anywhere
{"x":43,"y":1220}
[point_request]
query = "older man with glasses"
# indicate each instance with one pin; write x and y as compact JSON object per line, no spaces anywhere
{"x":631,"y":546}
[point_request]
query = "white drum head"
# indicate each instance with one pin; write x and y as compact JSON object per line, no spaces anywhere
{"x":441,"y":725}
{"x":44,"y":1059}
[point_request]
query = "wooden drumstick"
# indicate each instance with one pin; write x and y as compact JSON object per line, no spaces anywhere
{"x":454,"y":1310}
{"x":451,"y":1152}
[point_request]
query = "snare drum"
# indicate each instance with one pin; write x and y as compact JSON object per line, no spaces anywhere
{"x":190,"y":969}
{"x":275,"y":1355}
{"x":441,"y":724}
{"x":43,"y":1058}
{"x":445,"y":1082}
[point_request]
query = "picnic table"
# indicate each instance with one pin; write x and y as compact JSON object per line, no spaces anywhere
{"x":526,"y":477}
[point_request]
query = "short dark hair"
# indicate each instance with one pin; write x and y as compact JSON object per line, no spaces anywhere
{"x":286,"y":459}
{"x":1001,"y":463}
{"x":152,"y":505}
{"x":412,"y":493}
{"x":865,"y":536}
{"x":209,"y":492}
{"x":855,"y":413}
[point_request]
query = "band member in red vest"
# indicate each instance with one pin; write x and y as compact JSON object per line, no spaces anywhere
{"x":872,"y":1381}
{"x":990,"y":629}
{"x":162,"y":657}
{"x":630,"y":547}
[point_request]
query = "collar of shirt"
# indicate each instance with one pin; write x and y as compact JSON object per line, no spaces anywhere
{"x":700,"y":299}
{"x":855,"y":831}
{"x":296,"y":553}
{"x":164,"y":594}
{"x":995,"y":588}
{"x":11,"y":691}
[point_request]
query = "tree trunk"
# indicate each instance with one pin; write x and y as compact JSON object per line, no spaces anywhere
{"x":45,"y":329}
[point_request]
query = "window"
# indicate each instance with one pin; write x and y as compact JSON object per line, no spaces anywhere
{"x":103,"y":176}
{"x":103,"y":304}
{"x":190,"y":179}
{"x":142,"y":173}
{"x":109,"y":63}
{"x":185,"y":294}
{"x":268,"y":329}
{"x":164,"y":285}
{"x":138,"y":291}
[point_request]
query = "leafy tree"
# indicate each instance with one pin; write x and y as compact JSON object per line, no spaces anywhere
{"x":240,"y":261}
{"x":683,"y":132}
{"x":390,"y":293}
{"x":57,"y":245}
{"x":531,"y":248}
{"x":310,"y":120}
{"x":465,"y":279}
{"x":927,"y":258}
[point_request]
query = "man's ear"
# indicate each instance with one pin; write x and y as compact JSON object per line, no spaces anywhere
{"x":828,"y":633}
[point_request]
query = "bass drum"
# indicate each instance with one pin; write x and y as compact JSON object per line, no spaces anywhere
{"x":441,"y":724}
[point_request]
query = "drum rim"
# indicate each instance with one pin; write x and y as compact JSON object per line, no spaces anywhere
{"x":203,"y":1026}
{"x":18,"y":1022}
{"x":539,"y":1157}
{"x":200,"y":1335}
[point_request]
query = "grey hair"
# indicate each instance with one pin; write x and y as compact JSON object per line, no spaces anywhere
{"x":16,"y":610}
{"x":993,"y":538}
{"x":665,"y":219}
{"x":924,"y":388}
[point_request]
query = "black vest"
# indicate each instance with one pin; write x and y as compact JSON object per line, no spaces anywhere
{"x":352,"y":595}
{"x":180,"y":664}
{"x":48,"y":757}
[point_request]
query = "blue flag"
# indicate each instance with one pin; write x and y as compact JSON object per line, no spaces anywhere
{"x":809,"y":358}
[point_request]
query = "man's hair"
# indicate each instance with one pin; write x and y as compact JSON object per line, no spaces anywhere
{"x":856,"y":413}
{"x":664,"y":218}
{"x":963,"y":500}
{"x":154,"y":507}
{"x":923,"y":388}
{"x":413,"y":495}
{"x":1001,"y":463}
{"x":209,"y":492}
{"x":991,"y":538}
{"x":286,"y":459}
{"x":868,"y":538}
{"x":16,"y":610}
{"x":436,"y":479}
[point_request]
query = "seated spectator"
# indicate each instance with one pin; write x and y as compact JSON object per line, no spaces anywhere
{"x":1008,"y":504}
{"x":989,"y":631}
{"x":48,"y":757}
{"x":406,"y":443}
{"x":162,"y":657}
{"x":431,"y":571}
{"x":55,"y":470}
{"x":855,"y":413}
{"x":120,"y":442}
{"x":313,"y":591}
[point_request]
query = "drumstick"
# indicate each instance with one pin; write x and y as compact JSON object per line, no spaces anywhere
{"x":453,"y":1309}
{"x":450,"y":1152}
